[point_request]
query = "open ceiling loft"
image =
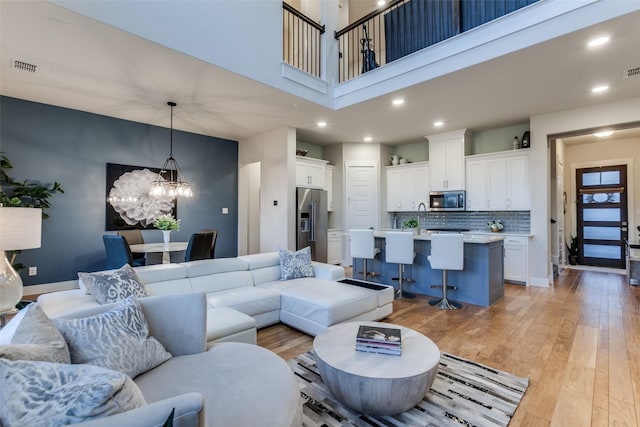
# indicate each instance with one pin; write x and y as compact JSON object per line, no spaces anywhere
{"x":86,"y":65}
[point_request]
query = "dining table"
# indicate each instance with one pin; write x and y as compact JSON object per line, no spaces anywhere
{"x":164,"y":248}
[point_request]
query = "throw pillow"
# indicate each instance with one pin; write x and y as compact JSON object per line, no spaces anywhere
{"x":36,"y":338}
{"x":114,"y":286}
{"x":54,"y":394}
{"x":117,"y":339}
{"x":294,"y":265}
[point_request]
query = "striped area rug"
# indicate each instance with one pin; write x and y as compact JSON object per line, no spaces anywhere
{"x":464,"y":393}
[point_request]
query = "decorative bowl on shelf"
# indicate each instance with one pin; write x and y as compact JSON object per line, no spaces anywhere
{"x":301,"y":152}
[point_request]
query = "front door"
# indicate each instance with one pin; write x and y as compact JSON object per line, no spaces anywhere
{"x":602,"y":215}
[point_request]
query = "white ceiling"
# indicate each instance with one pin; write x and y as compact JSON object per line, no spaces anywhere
{"x":89,"y":66}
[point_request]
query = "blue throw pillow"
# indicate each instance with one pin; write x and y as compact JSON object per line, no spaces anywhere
{"x":294,"y":265}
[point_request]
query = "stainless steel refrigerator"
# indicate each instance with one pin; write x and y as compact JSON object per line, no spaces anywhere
{"x":311,"y":222}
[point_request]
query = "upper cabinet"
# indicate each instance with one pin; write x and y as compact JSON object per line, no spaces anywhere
{"x":446,"y":160}
{"x":498,"y":181}
{"x":407,"y":187}
{"x":310,"y":172}
{"x":328,"y":184}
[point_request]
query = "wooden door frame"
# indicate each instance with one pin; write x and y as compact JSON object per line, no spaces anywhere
{"x":573,"y":197}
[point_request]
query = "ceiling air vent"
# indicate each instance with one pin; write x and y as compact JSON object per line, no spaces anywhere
{"x":24,"y":66}
{"x":633,"y":72}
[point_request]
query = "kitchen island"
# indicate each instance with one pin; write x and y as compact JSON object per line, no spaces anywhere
{"x":480,"y":283}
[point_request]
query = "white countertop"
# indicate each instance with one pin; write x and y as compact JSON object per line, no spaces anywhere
{"x":469,"y":237}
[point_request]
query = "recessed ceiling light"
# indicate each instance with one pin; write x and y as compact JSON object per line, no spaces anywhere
{"x":604,"y":134}
{"x":598,"y":41}
{"x":599,"y":89}
{"x":398,"y":101}
{"x":368,"y":139}
{"x":321,"y":124}
{"x":438,"y":123}
{"x":381,"y":2}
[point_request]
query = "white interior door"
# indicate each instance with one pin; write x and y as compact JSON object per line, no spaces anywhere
{"x":361,"y":199}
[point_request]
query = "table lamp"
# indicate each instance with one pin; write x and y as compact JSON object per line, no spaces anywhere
{"x":20,"y":228}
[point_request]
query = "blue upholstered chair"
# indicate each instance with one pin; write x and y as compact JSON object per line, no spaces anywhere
{"x":199,"y":247}
{"x":118,"y":252}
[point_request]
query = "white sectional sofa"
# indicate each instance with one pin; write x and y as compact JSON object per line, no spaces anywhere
{"x":245,"y":293}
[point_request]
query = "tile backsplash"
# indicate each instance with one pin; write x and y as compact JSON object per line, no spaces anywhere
{"x":513,"y":221}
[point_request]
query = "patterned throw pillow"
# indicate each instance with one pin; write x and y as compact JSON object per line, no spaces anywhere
{"x":117,"y":339}
{"x":107,"y":287}
{"x":54,"y":394}
{"x":294,"y":265}
{"x":36,"y":338}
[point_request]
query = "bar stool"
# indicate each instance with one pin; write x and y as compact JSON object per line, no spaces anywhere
{"x":362,"y":245}
{"x":399,"y":249}
{"x":447,"y":253}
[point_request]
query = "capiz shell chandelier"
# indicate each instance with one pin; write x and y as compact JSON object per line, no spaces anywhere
{"x":168,"y":182}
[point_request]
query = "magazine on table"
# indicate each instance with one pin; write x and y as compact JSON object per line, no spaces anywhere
{"x":378,"y":334}
{"x":371,"y":349}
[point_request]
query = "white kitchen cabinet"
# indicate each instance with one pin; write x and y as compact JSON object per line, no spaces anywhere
{"x":498,"y":182}
{"x":476,"y":176}
{"x":328,"y":185}
{"x":516,"y":259}
{"x":446,"y":160}
{"x":334,"y":247}
{"x":407,"y":186}
{"x":310,"y":172}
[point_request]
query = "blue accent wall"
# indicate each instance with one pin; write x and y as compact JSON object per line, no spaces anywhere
{"x":48,"y":144}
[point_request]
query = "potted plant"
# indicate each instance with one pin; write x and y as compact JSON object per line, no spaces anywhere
{"x":166,"y":223}
{"x":572,"y":250}
{"x":29,"y":193}
{"x":410,"y":224}
{"x":495,"y":226}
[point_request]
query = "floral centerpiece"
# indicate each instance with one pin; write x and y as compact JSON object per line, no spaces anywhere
{"x":410,"y":224}
{"x":167,"y":222}
{"x":495,"y":225}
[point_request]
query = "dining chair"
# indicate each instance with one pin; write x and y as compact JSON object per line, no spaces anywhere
{"x":213,"y":231}
{"x":199,"y":247}
{"x":118,"y":252}
{"x":134,"y":237}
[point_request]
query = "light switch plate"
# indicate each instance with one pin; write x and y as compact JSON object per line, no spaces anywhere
{"x":225,"y":211}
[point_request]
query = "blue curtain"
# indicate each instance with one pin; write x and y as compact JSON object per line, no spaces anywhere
{"x":417,"y":24}
{"x":477,"y":12}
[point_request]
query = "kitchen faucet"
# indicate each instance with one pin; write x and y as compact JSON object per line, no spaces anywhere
{"x":425,"y":211}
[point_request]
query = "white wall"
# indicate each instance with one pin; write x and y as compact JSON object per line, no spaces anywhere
{"x":542,"y":126}
{"x":275,"y":150}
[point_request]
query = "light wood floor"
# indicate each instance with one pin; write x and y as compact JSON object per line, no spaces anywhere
{"x":578,"y":342}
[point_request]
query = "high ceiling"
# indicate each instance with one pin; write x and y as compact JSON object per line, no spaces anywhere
{"x":86,"y":65}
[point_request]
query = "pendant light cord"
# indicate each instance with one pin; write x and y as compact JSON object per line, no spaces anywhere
{"x":171,"y":104}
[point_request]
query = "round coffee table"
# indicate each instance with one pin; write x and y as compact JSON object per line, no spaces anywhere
{"x":372,"y":383}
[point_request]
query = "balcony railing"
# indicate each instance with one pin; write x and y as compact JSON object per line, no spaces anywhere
{"x":406,"y":26}
{"x":301,"y":41}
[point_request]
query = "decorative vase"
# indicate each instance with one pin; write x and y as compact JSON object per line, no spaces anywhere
{"x":495,"y":229}
{"x":166,"y":237}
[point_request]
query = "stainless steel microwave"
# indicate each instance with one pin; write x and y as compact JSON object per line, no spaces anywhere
{"x":447,"y":200}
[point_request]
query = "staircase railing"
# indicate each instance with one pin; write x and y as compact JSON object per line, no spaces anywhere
{"x":355,"y":53}
{"x":301,"y":41}
{"x":406,"y":26}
